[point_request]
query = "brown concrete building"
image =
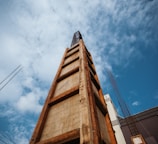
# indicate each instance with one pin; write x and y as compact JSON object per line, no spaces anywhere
{"x":75,"y":111}
{"x":147,"y":125}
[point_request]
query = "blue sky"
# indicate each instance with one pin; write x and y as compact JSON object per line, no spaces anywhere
{"x":121,"y":35}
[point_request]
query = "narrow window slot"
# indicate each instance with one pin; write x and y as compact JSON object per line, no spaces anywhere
{"x":100,"y":105}
{"x":89,"y":59}
{"x":92,"y":69}
{"x":75,"y":141}
{"x":88,"y":51}
{"x":94,"y":81}
{"x":75,"y":46}
{"x":68,"y":74}
{"x":69,"y":93}
{"x":70,"y":62}
{"x":72,"y":53}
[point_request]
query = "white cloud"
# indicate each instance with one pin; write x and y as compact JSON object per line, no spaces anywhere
{"x":30,"y":102}
{"x":11,"y":92}
{"x":41,"y":31}
{"x":136,"y":103}
{"x":6,"y":138}
{"x":36,"y":33}
{"x":21,"y":133}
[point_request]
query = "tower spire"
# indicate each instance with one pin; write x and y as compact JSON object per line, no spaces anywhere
{"x":77,"y":36}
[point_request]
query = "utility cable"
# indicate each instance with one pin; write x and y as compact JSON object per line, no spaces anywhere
{"x":124,"y":108}
{"x":10,"y":74}
{"x":130,"y":121}
{"x":11,"y":77}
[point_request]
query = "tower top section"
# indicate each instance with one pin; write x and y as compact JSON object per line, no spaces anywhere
{"x":77,"y":36}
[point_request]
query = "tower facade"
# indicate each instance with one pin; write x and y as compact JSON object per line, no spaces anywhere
{"x":74,"y":111}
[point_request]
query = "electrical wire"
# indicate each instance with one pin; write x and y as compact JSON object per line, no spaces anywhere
{"x":130,"y":121}
{"x":124,"y":108}
{"x":11,"y":75}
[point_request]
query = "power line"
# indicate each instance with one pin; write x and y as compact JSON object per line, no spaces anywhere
{"x":124,"y":108}
{"x":11,"y":75}
{"x":130,"y":120}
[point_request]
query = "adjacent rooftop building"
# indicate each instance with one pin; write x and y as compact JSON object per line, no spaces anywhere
{"x":147,"y":124}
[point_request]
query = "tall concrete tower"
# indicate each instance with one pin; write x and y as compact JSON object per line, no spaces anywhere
{"x":74,"y":111}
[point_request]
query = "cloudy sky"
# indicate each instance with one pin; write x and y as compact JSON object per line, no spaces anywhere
{"x":122,"y":35}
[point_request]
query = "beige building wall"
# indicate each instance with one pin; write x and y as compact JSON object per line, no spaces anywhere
{"x":115,"y":122}
{"x":74,"y":111}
